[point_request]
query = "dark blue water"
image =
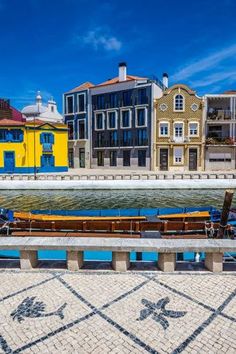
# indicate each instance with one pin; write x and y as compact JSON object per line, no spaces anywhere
{"x":28,"y":200}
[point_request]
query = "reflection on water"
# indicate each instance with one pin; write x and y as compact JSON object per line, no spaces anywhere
{"x":28,"y":200}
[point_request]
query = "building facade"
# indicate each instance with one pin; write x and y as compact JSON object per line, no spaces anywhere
{"x":122,"y":120}
{"x":77,"y":116}
{"x":179,"y":135}
{"x":220,"y":131}
{"x":32,"y":147}
{"x":45,"y":112}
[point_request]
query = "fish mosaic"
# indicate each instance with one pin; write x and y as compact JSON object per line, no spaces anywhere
{"x":30,"y":308}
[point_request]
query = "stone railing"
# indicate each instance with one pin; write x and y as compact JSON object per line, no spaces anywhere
{"x":124,"y":176}
{"x":120,"y":248}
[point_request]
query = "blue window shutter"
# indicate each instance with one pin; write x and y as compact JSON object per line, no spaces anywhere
{"x":21,"y":135}
{"x":41,"y":138}
{"x":52,"y":138}
{"x":8,"y":135}
{"x":42,"y":160}
{"x":53,"y":160}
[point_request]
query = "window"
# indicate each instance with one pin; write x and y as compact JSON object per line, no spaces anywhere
{"x":142,"y":137}
{"x":71,"y":158}
{"x":126,"y":138}
{"x":126,"y":158}
{"x":113,"y":158}
{"x":100,"y":102}
{"x":100,"y":140}
{"x":179,"y":103}
{"x":47,"y":160}
{"x":82,"y":129}
{"x":100,"y":158}
{"x":193,"y":129}
{"x":178,"y":130}
{"x":127,"y":98}
{"x":69,"y":104}
{"x":219,"y":157}
{"x":113,"y":138}
{"x":178,"y":155}
{"x":3,"y":134}
{"x":46,"y":138}
{"x":112,"y":121}
{"x":125,"y":119}
{"x":142,"y":97}
{"x":81,"y":102}
{"x":99,"y":121}
{"x":141,"y":117}
{"x":71,"y":130}
{"x":15,"y":135}
{"x":164,"y":129}
{"x":52,"y":108}
{"x":113,"y":100}
{"x":141,"y":158}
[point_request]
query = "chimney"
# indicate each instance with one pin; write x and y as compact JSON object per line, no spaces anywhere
{"x":122,"y":71}
{"x":165,"y":80}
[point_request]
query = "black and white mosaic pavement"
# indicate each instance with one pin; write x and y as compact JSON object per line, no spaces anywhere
{"x":108,"y":312}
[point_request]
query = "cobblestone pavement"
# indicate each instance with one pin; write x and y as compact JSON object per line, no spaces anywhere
{"x":107,"y":312}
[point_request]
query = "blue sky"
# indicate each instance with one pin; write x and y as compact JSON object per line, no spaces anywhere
{"x":54,"y":45}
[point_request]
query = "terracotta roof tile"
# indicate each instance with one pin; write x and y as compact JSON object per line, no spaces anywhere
{"x":230,"y":92}
{"x":115,"y":80}
{"x":84,"y":86}
{"x":5,"y":122}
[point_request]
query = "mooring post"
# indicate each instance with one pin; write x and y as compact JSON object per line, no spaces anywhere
{"x":225,"y":212}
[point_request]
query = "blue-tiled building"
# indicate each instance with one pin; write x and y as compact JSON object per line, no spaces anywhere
{"x":77,"y":113}
{"x":122,"y":121}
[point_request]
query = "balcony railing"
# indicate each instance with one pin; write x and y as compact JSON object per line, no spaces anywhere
{"x":47,"y":147}
{"x":219,"y":114}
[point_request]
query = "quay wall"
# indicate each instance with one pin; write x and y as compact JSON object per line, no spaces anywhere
{"x":118,"y":183}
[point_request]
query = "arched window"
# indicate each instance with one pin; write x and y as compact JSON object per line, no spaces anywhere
{"x":179,"y":103}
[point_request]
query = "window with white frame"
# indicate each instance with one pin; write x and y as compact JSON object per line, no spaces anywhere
{"x":70,"y":125}
{"x":179,"y":102}
{"x":111,"y":120}
{"x":99,"y":121}
{"x":81,"y":129}
{"x":178,"y":130}
{"x":69,"y":104}
{"x":178,"y":155}
{"x":81,"y":102}
{"x":141,"y":117}
{"x":164,"y":131}
{"x":193,"y":129}
{"x":125,"y":119}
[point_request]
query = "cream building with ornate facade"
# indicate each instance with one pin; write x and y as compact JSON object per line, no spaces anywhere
{"x":179,"y":131}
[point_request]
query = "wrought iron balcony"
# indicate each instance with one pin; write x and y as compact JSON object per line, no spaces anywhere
{"x":47,"y":147}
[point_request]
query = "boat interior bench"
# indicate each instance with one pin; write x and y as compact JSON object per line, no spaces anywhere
{"x":120,"y":248}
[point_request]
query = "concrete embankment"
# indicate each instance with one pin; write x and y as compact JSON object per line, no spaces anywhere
{"x":117,"y":184}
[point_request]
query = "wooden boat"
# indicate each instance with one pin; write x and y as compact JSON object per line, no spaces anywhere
{"x":191,"y":216}
{"x":45,"y":217}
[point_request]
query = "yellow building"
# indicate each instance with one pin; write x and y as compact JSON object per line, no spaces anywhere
{"x":33,"y":147}
{"x":178,"y":131}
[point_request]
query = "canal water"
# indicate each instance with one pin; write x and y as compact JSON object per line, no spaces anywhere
{"x":97,"y":199}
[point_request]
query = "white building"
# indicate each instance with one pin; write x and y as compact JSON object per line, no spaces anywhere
{"x":47,"y":112}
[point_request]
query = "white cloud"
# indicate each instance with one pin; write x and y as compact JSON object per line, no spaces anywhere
{"x":229,"y":76}
{"x":204,"y":64}
{"x":99,"y":39}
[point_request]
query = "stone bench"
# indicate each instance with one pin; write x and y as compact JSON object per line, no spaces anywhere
{"x":120,"y":248}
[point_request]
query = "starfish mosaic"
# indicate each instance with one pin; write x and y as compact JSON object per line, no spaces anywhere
{"x":158,"y":312}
